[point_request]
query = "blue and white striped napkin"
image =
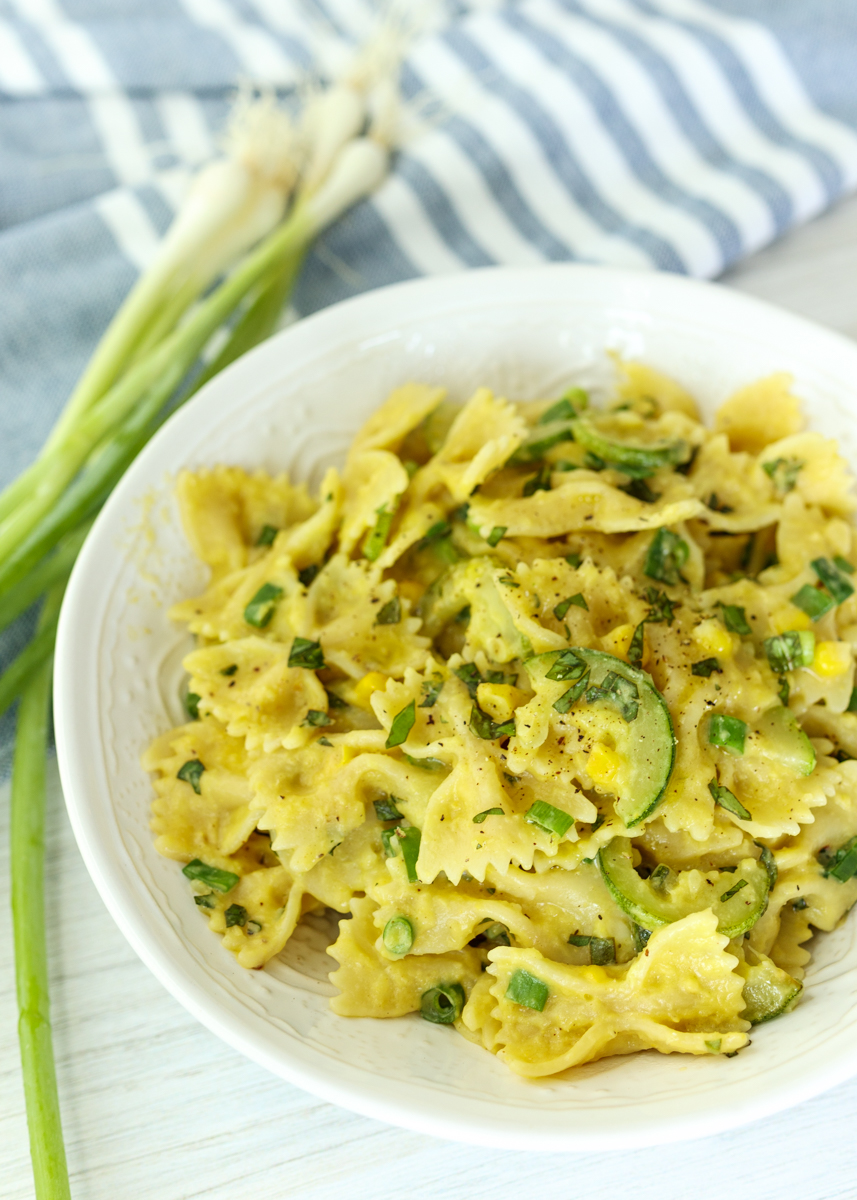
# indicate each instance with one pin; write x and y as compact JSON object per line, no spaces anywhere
{"x":675,"y":134}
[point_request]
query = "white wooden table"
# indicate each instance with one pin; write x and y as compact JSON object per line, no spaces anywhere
{"x":155,"y":1108}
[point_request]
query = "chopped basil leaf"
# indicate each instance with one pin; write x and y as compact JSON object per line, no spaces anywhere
{"x":469,"y":675}
{"x":852,"y":703}
{"x":259,"y":611}
{"x":191,"y":703}
{"x":733,"y":891}
{"x":489,"y":730}
{"x":403,"y":723}
{"x":489,"y":812}
{"x":376,"y":539}
{"x":540,"y":482}
{"x":230,"y":670}
{"x":564,"y":703}
{"x":308,"y":574}
{"x":266,"y":537}
{"x":843,"y":564}
{"x":323,"y":741}
{"x":305,"y":653}
{"x":728,"y":732}
{"x":564,"y":605}
{"x":734,"y":618}
{"x":716,"y":506}
{"x":390,"y":613}
{"x":191,"y":772}
{"x":783,"y":691}
{"x":641,"y":936}
{"x":550,"y":819}
{"x":573,"y":560}
{"x":565,"y":666}
{"x":638,"y":489}
{"x":398,"y":936}
{"x":527,"y":990}
{"x":815,"y":602}
{"x":496,"y":535}
{"x":431,"y":689}
{"x":442,"y":1005}
{"x":666,"y":556}
{"x":601,"y":950}
{"x":235,"y":914}
{"x":410,"y":842}
{"x":843,"y":865}
{"x":637,"y":645}
{"x":705,"y":667}
{"x":334,"y":701}
{"x":790,"y":650}
{"x":728,"y":800}
{"x":579,"y":939}
{"x":661,"y":608}
{"x":783,"y":472}
{"x":839,"y":587}
{"x":221,"y":881}
{"x":463,"y":615}
{"x":316,"y":717}
{"x":385,"y":810}
{"x":619,"y":692}
{"x":426,"y":764}
{"x":206,"y":900}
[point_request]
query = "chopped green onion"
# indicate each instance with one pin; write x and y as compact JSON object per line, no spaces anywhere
{"x":799,"y":904}
{"x":790,"y":650}
{"x":766,"y":858}
{"x":390,"y":842}
{"x":571,"y":405}
{"x":308,"y":574}
{"x":206,"y":900}
{"x":601,"y":950}
{"x":236,"y":914}
{"x":469,"y":675}
{"x":843,"y":864}
{"x":376,"y":539}
{"x":815,"y":602}
{"x":550,"y":819}
{"x":714,"y":1045}
{"x":573,"y":694}
{"x":705,"y":667}
{"x":431,"y":689}
{"x":573,"y":560}
{"x":307,"y":654}
{"x":838,"y":586}
{"x":482,"y":726}
{"x":221,"y":881}
{"x":666,"y":556}
{"x":733,"y":891}
{"x":403,"y":723}
{"x":527,"y":990}
{"x":436,"y":533}
{"x":398,"y":936}
{"x":191,"y":703}
{"x":566,"y":666}
{"x":390,"y":613}
{"x":564,"y":605}
{"x":266,"y":537}
{"x":540,"y":482}
{"x":579,"y":939}
{"x":252,"y":927}
{"x":317,"y":717}
{"x":783,"y":472}
{"x":619,"y":692}
{"x":728,"y":800}
{"x":442,"y":1005}
{"x":843,"y":564}
{"x":728,"y":732}
{"x":386,"y":810}
{"x":544,"y":438}
{"x":230,"y":670}
{"x":496,"y":933}
{"x":489,"y":812}
{"x":496,"y":535}
{"x":191,"y":772}
{"x":259,"y":611}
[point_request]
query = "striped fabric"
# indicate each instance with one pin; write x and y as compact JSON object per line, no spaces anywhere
{"x":674,"y":134}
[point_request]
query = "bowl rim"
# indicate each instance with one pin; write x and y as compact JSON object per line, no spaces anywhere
{"x":501,"y":1130}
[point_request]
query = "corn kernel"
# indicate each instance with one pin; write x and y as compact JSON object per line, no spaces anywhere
{"x":374,"y":681}
{"x":789,"y":617}
{"x":711,"y":637}
{"x":831,"y":659}
{"x":618,"y":640}
{"x":499,"y":700}
{"x":603,"y":764}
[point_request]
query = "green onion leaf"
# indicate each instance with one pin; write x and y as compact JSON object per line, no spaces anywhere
{"x":191,"y":703}
{"x":573,"y":560}
{"x":266,"y":537}
{"x":390,"y":613}
{"x":734,"y":618}
{"x":442,"y":1005}
{"x":308,"y":574}
{"x":839,"y":587}
{"x":728,"y":800}
{"x":619,"y":692}
{"x":783,"y":472}
{"x":191,"y":772}
{"x":566,"y":666}
{"x":574,"y":693}
{"x":790,"y":650}
{"x":527,"y":990}
{"x":550,"y":819}
{"x":376,"y":539}
{"x":221,"y":881}
{"x":733,"y":891}
{"x":564,"y":605}
{"x":230,"y":670}
{"x":398,"y":936}
{"x":705,"y":667}
{"x":403,"y":723}
{"x":843,"y":564}
{"x":206,"y":900}
{"x":666,"y":556}
{"x":259,"y":611}
{"x":489,"y":812}
{"x":843,"y":865}
{"x":469,"y":675}
{"x":305,"y":653}
{"x":431,"y":689}
{"x":815,"y":602}
{"x":728,"y":732}
{"x":316,"y":717}
{"x":235,"y":914}
{"x":496,"y":535}
{"x":386,"y":810}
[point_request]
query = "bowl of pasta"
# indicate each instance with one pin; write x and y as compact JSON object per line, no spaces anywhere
{"x":455,"y":707}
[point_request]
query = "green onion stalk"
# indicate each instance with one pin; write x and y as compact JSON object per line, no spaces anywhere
{"x":223,"y":274}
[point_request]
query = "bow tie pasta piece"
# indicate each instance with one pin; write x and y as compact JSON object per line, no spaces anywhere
{"x":761,"y":413}
{"x":805,"y":532}
{"x":371,"y":985}
{"x":651,"y":390}
{"x":680,"y":994}
{"x":227,"y":513}
{"x":483,"y":436}
{"x":258,"y":915}
{"x":401,"y":412}
{"x":356,"y":866}
{"x":810,"y":465}
{"x":373,"y":483}
{"x":737,"y":492}
{"x":205,"y":806}
{"x":475,"y":586}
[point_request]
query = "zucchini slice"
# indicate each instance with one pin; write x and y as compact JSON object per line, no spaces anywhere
{"x":630,"y":708}
{"x":778,"y":736}
{"x":737,"y":898}
{"x":769,"y":991}
{"x":631,"y":458}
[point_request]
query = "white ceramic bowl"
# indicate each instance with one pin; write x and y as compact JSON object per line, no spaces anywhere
{"x":294,"y":403}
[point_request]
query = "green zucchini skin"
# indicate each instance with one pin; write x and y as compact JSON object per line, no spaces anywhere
{"x":651,"y":730}
{"x":769,"y":991}
{"x":651,"y":909}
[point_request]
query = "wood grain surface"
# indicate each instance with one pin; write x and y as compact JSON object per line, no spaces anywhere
{"x":156,"y":1108}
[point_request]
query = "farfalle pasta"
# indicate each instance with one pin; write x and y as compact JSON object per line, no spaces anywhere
{"x":552,"y":702}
